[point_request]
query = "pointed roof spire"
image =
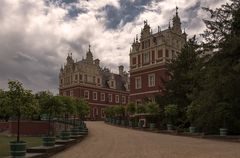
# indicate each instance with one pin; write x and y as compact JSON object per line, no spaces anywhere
{"x":137,"y":38}
{"x":89,"y":47}
{"x":176,"y":10}
{"x":169,"y":26}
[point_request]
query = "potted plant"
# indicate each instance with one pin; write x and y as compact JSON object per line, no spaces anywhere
{"x":22,"y":103}
{"x":131,"y":109}
{"x":171,"y":112}
{"x":82,"y":109}
{"x":109,"y":114}
{"x":224,"y":113}
{"x":49,"y":108}
{"x":66,"y":110}
{"x":119,"y":113}
{"x":192,"y":114}
{"x":141,"y":109}
{"x":152,"y":110}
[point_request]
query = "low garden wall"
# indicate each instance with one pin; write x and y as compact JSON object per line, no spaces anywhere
{"x":4,"y":126}
{"x":31,"y":128}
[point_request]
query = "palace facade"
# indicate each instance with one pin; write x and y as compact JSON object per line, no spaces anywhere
{"x":148,"y":58}
{"x":97,"y":85}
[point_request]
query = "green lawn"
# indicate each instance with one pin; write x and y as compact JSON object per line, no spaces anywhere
{"x":4,"y":143}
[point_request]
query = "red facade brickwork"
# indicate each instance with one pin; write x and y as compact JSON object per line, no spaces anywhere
{"x":101,"y":100}
{"x":4,"y":126}
{"x":32,"y":128}
{"x":147,"y":92}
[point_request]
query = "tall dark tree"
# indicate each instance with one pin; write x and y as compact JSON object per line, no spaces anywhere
{"x":220,"y":98}
{"x":185,"y":73}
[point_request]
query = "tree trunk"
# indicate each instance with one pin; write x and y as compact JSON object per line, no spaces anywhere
{"x":18,"y":127}
{"x":65,"y":125}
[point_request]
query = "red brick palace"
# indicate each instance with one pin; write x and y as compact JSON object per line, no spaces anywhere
{"x":100,"y":87}
{"x":148,"y":58}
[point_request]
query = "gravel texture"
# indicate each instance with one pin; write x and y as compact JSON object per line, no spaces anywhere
{"x":106,"y":141}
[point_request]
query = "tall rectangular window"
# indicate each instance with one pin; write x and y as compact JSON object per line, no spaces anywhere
{"x":102,"y":96}
{"x":151,"y":80}
{"x":94,"y":95}
{"x":138,"y":83}
{"x":134,"y":61}
{"x":71,"y":93}
{"x":110,"y":97}
{"x":116,"y":98}
{"x":86,"y":94}
{"x":146,"y":57}
{"x":80,"y":77}
{"x":153,"y":56}
{"x":76,"y":77}
{"x":123,"y":99}
{"x":160,"y":53}
{"x":167,"y":53}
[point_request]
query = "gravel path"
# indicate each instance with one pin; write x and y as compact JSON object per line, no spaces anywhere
{"x":106,"y":141}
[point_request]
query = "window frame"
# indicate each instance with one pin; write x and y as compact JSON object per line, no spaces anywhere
{"x":95,"y":94}
{"x":103,"y":98}
{"x":151,"y":83}
{"x":136,"y":83}
{"x":88,"y":94}
{"x":116,"y":98}
{"x":110,"y":96}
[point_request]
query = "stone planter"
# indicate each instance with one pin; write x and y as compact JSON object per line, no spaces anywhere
{"x":118,"y":122}
{"x":192,"y":129}
{"x":123,"y":122}
{"x":17,"y":149}
{"x":48,"y":141}
{"x":152,"y":126}
{"x":75,"y":131}
{"x":140,"y":124}
{"x":169,"y":127}
{"x":223,"y":131}
{"x":65,"y":135}
{"x":83,"y":131}
{"x":130,"y":123}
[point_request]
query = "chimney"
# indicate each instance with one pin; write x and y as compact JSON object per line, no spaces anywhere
{"x":121,"y":68}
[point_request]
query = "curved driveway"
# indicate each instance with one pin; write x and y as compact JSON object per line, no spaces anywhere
{"x":106,"y":141}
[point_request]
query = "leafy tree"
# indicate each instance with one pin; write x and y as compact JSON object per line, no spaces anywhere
{"x":153,"y":109}
{"x":67,"y":107}
{"x":220,"y":83}
{"x":109,"y":111}
{"x":50,"y":105}
{"x":171,"y":112}
{"x":185,"y":73}
{"x":21,"y":101}
{"x":141,"y":109}
{"x":119,"y":110}
{"x":4,"y":108}
{"x":193,"y":113}
{"x":131,"y":108}
{"x":82,"y":108}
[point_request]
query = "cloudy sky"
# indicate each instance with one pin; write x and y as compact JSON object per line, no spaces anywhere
{"x":37,"y":35}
